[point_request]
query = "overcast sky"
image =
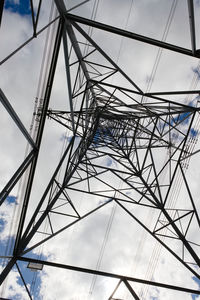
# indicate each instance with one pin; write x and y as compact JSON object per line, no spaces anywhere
{"x":108,"y":240}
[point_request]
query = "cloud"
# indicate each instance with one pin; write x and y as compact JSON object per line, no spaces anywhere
{"x":197,"y":72}
{"x":22,"y":7}
{"x":13,"y":289}
{"x":198,"y":283}
{"x":128,"y":250}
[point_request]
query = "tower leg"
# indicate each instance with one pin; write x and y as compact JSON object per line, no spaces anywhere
{"x":7,"y":269}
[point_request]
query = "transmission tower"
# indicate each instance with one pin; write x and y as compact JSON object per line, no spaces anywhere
{"x":127,"y":151}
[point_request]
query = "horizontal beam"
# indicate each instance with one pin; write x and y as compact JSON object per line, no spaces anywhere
{"x":173,"y":93}
{"x":108,"y":274}
{"x":131,"y":35}
{"x":150,"y":95}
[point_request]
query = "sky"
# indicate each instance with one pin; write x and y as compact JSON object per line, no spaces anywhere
{"x":109,"y":239}
{"x":20,"y":7}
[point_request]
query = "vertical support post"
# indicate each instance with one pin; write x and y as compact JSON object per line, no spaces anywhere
{"x":192,"y":25}
{"x":66,"y":55}
{"x":40,"y":133}
{"x":1,"y":10}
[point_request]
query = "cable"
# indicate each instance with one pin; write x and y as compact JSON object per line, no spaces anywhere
{"x":126,"y":25}
{"x":106,"y":236}
{"x":157,"y":248}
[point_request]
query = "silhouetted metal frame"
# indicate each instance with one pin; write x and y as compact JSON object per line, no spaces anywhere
{"x":157,"y":203}
{"x":130,"y":35}
{"x":11,"y":263}
{"x":107,"y":274}
{"x":32,"y":157}
{"x":1,"y":9}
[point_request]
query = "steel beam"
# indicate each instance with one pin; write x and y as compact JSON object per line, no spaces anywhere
{"x":192,"y":25}
{"x":40,"y":133}
{"x":150,"y":95}
{"x":129,"y":287}
{"x":16,"y":119}
{"x":189,"y":92}
{"x":66,"y":227}
{"x":78,"y":155}
{"x":117,"y":286}
{"x":1,"y":9}
{"x":159,"y":240}
{"x":28,"y":41}
{"x":7,"y":269}
{"x":92,"y":42}
{"x":17,"y":175}
{"x":131,"y":35}
{"x":110,"y":275}
{"x":66,"y":55}
{"x":25,"y":285}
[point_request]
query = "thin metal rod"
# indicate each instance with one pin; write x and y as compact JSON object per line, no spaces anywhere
{"x":37,"y":16}
{"x":79,"y":55}
{"x":159,"y":240}
{"x":22,"y":278}
{"x":77,"y":5}
{"x":92,"y":42}
{"x":118,"y":284}
{"x":129,"y":287}
{"x":1,"y":10}
{"x":67,"y":226}
{"x":78,"y":155}
{"x":46,"y":191}
{"x":190,"y":195}
{"x":67,"y":151}
{"x":189,"y":155}
{"x":130,"y":35}
{"x":151,"y":95}
{"x":33,"y":18}
{"x":7,"y":270}
{"x":28,"y":41}
{"x":16,"y":119}
{"x":111,"y":275}
{"x":40,"y":132}
{"x":173,"y":93}
{"x":66,"y":55}
{"x":11,"y":183}
{"x":192,"y":25}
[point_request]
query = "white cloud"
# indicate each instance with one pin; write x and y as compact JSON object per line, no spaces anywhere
{"x":11,"y":287}
{"x":82,"y":244}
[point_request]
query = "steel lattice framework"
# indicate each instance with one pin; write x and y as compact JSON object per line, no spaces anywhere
{"x":147,"y":139}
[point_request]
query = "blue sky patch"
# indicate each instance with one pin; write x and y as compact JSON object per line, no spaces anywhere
{"x":6,"y":248}
{"x":33,"y":279}
{"x":183,"y":117}
{"x":193,"y":132}
{"x":2,"y":224}
{"x":109,"y":162}
{"x":102,"y":133}
{"x":96,"y":136}
{"x":11,"y":199}
{"x":194,"y":296}
{"x":22,"y":8}
{"x":197,"y":72}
